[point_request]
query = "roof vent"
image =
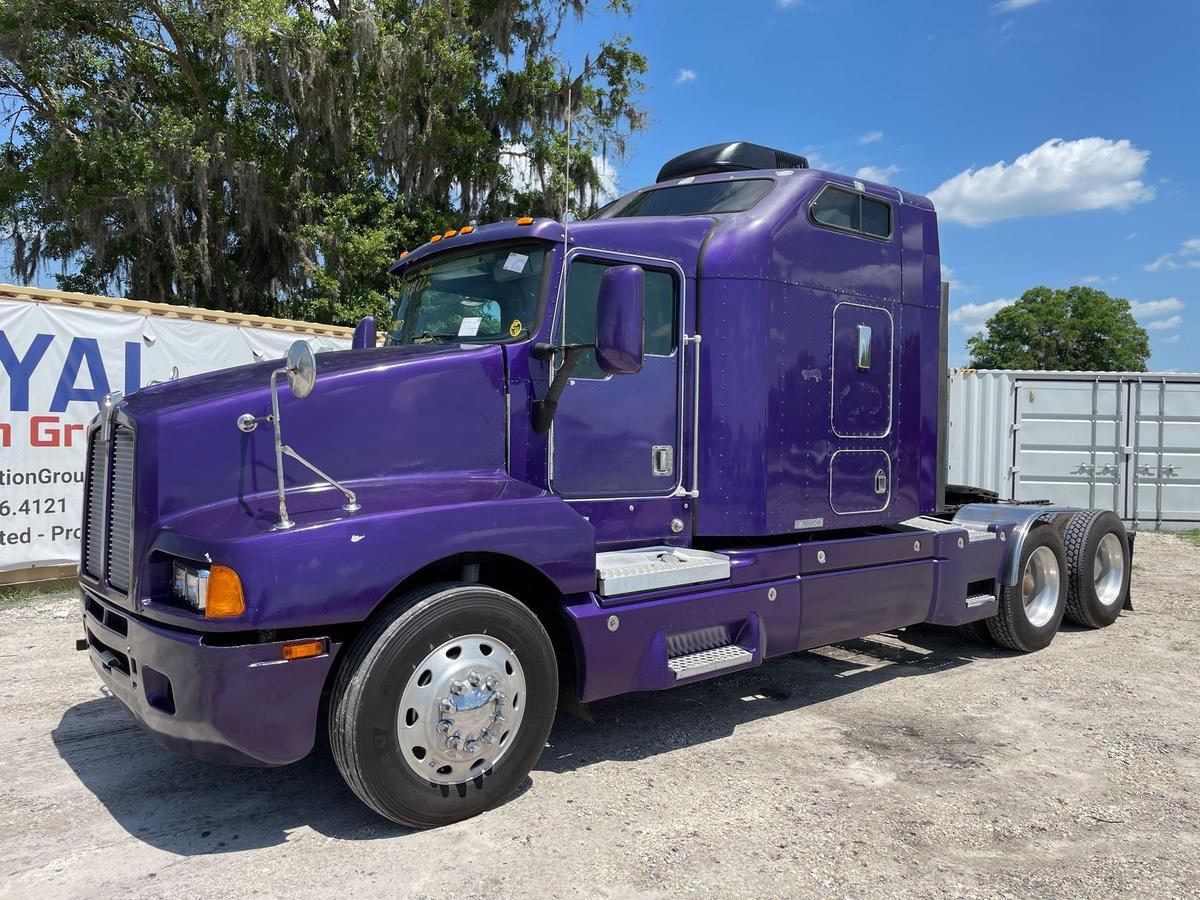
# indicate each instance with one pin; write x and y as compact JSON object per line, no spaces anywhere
{"x":734,"y":156}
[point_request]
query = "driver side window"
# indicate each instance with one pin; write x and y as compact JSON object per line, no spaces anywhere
{"x":583,"y":291}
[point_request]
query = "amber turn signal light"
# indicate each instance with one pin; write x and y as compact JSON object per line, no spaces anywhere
{"x":224,"y":594}
{"x":302,"y":649}
{"x":525,"y":220}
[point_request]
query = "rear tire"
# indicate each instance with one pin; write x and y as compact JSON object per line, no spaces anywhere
{"x":1031,"y":610}
{"x":443,"y":704}
{"x":1098,"y":565}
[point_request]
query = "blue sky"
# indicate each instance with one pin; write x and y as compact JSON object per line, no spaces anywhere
{"x":965,"y":96}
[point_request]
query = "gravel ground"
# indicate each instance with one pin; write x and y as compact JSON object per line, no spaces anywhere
{"x":907,"y":764}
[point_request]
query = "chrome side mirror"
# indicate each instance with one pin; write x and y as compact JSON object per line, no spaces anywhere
{"x":301,"y":366}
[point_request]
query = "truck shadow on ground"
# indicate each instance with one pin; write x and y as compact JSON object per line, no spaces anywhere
{"x":189,"y":807}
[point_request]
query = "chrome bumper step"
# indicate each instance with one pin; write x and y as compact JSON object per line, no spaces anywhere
{"x":704,"y":661}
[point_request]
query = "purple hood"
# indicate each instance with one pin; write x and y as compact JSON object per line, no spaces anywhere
{"x":376,"y":414}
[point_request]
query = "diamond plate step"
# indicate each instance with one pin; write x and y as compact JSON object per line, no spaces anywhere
{"x":979,"y":600}
{"x":714,"y":660}
{"x":649,"y":568}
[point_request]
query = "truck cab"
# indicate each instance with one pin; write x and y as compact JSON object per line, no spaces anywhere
{"x":701,"y":428}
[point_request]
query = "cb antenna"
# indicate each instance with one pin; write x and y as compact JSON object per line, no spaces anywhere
{"x":567,"y":171}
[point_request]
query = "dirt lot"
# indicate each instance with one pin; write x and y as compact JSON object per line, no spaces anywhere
{"x":898,"y":765}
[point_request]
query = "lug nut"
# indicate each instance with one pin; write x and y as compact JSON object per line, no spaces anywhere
{"x":446,"y":705}
{"x":453,"y":741}
{"x":499,"y":718}
{"x":499,"y":698}
{"x":487,"y":737}
{"x":489,"y":683}
{"x":457,"y":687}
{"x":474,"y":679}
{"x":444,"y":726}
{"x":471,"y":746}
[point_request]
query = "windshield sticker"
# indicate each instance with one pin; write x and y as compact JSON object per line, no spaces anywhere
{"x":469,"y":327}
{"x":515,"y":328}
{"x":516,"y":262}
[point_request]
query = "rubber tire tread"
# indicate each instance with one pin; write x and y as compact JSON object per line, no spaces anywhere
{"x":351,"y":680}
{"x":1003,"y":626}
{"x":1076,"y":537}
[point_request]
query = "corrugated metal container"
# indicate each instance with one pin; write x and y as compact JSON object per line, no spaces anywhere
{"x":1125,"y":441}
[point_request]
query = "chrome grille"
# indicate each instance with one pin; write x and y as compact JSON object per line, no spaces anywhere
{"x":93,"y":537}
{"x":120,"y":510}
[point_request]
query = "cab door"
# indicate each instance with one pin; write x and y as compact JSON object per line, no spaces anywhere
{"x":619,"y":435}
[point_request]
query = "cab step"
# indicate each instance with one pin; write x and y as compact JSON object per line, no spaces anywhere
{"x":980,"y":600}
{"x":651,"y":568}
{"x":702,"y":662}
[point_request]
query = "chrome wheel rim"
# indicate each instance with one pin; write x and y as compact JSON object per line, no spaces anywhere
{"x":461,"y":709}
{"x":1040,"y":586}
{"x":1108,"y":569}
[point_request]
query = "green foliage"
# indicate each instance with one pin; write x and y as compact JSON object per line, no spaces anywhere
{"x":1077,"y":329}
{"x":274,"y":156}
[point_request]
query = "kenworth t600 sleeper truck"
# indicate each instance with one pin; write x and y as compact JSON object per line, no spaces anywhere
{"x":700,"y":429}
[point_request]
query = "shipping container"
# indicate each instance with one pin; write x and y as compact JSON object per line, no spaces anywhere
{"x":1125,"y":441}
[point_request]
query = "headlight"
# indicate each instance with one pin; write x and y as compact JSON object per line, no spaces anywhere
{"x":215,"y":591}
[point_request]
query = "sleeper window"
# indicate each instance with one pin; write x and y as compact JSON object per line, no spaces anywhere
{"x":849,"y":211}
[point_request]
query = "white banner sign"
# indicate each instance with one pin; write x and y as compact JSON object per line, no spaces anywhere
{"x":56,"y":365}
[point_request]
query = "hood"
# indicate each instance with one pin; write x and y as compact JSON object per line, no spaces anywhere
{"x":374,"y":414}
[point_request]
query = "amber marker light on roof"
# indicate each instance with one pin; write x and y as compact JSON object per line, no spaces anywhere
{"x":466,"y":229}
{"x":224,"y":594}
{"x":303,"y":649}
{"x":435,"y":239}
{"x":404,"y":254}
{"x":450,"y":233}
{"x":525,"y":220}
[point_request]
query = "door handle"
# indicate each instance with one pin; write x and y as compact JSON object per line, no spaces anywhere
{"x":881,"y":484}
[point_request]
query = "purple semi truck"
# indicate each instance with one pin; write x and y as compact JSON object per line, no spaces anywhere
{"x":702,"y":428}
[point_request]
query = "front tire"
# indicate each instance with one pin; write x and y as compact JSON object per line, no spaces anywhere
{"x":443,"y":704}
{"x":1031,"y":610}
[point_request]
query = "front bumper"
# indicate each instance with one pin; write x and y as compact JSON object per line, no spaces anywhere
{"x":241,"y":704}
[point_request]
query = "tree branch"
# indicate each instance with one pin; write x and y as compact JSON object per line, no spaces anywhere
{"x":180,"y":54}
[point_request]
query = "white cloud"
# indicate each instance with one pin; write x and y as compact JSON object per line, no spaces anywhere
{"x":1170,"y":339}
{"x":1013,"y":5}
{"x":1164,"y":325}
{"x":1097,"y":279}
{"x":972,"y":316}
{"x":685,"y":75}
{"x":784,"y":4}
{"x":1149,"y":309}
{"x":1057,"y":177}
{"x":871,"y":137}
{"x":875,"y":173}
{"x":948,"y":277}
{"x":1186,"y":257}
{"x":609,"y":179}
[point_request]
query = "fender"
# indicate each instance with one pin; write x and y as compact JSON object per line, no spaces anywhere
{"x":335,"y":568}
{"x":1022,"y":518}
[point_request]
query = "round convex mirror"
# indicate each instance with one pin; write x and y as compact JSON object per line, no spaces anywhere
{"x":302,"y":369}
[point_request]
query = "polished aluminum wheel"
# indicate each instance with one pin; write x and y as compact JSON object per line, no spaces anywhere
{"x":1041,"y":585}
{"x":1108,"y":569}
{"x":461,"y":709}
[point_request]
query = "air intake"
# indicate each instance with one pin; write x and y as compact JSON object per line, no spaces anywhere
{"x":734,"y":156}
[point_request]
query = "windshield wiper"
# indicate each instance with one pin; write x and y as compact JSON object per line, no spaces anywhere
{"x":432,"y":335}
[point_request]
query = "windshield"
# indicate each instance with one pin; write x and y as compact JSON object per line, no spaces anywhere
{"x":490,"y":294}
{"x":695,"y":199}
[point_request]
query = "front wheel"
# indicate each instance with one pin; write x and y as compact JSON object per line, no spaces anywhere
{"x":444,"y":704}
{"x":1031,"y":610}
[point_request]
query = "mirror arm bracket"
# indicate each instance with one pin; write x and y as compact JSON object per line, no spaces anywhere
{"x":544,"y":409}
